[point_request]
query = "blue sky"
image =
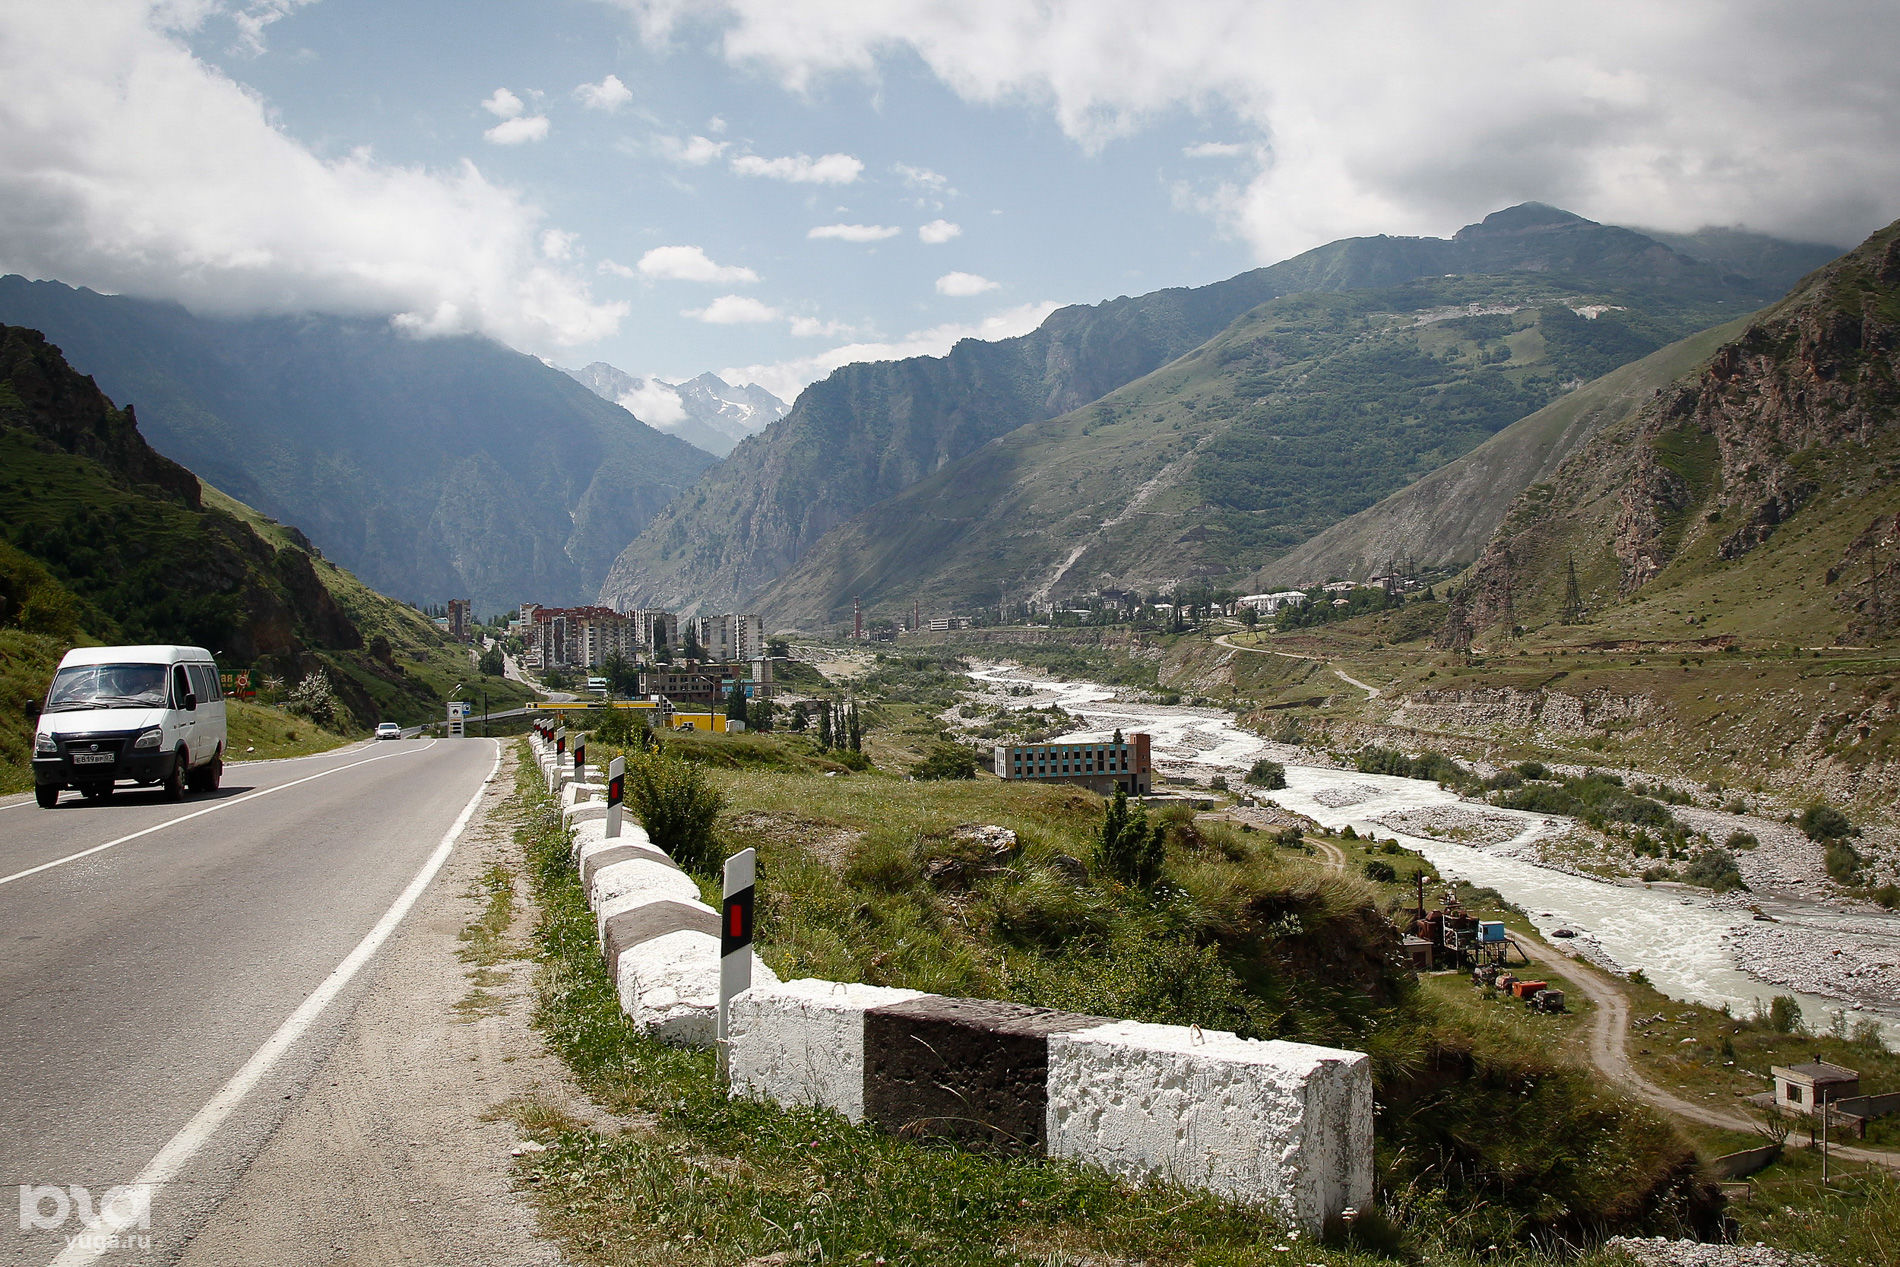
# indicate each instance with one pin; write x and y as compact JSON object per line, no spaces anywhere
{"x":740,"y":185}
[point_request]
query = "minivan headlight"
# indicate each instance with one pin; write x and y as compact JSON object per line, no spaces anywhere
{"x":43,"y":746}
{"x":150,"y":739}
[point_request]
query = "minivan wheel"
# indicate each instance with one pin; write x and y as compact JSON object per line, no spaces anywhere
{"x":175,"y":781}
{"x":47,"y":794}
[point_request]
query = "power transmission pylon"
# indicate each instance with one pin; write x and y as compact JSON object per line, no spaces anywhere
{"x":1572,"y":613}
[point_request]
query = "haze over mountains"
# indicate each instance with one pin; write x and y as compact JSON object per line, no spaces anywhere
{"x":706,"y":412}
{"x":433,"y":468}
{"x":1079,"y":456}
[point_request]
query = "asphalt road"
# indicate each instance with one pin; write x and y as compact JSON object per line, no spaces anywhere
{"x":170,"y":978}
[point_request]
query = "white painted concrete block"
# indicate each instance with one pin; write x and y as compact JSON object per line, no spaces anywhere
{"x":587,"y":831}
{"x":803,"y":1042}
{"x":639,"y":875}
{"x":1283,"y":1123}
{"x":647,"y":850}
{"x":585,"y":812}
{"x":669,"y":987}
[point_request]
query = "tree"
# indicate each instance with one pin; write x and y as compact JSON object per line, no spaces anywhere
{"x":778,"y":648}
{"x":946,"y":761}
{"x":801,"y":717}
{"x":853,"y":728}
{"x":824,"y":724}
{"x":761,"y":715}
{"x":1131,"y":847}
{"x":735,"y":703}
{"x":1267,"y":774}
{"x":692,"y":650}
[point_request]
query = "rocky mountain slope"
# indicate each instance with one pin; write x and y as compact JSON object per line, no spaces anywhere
{"x":707,"y":412}
{"x":1753,"y":498}
{"x":435,"y":468}
{"x":102,"y":539}
{"x":1445,"y":519}
{"x":1306,"y":410}
{"x":871,"y":431}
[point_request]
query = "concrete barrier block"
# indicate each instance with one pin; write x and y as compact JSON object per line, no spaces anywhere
{"x":669,"y":987}
{"x":605,"y":853}
{"x":588,"y":831}
{"x":585,"y":812}
{"x":1282,"y":1123}
{"x":639,"y":918}
{"x":582,"y":793}
{"x":639,"y":875}
{"x":802,"y":1042}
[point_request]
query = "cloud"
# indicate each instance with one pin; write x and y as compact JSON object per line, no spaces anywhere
{"x":937,"y":232}
{"x":696,"y":152}
{"x":691,"y":264}
{"x":962,"y":284}
{"x":558,"y":245}
{"x":1214,"y":149}
{"x":785,"y":379}
{"x":854,"y":232}
{"x":531,"y":127}
{"x":922,"y":178}
{"x":251,"y":20}
{"x":814,"y":328}
{"x":503,"y":104}
{"x":1392,"y":117}
{"x":609,"y":94}
{"x":828,"y":169}
{"x":128,"y":165}
{"x":613,"y":269}
{"x":655,"y":403}
{"x":733,"y":310}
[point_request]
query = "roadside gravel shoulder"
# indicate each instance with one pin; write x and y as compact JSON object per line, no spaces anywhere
{"x":399,"y":1151}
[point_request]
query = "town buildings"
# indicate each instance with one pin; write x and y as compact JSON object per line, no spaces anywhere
{"x":1100,"y":766}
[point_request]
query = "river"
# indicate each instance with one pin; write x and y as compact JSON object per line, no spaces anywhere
{"x":1678,"y":937}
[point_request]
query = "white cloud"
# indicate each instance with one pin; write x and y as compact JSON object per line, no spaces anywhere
{"x":854,"y":232}
{"x":1215,"y":149}
{"x":937,"y":232}
{"x":785,"y":379}
{"x":1399,"y":118}
{"x":128,"y":165}
{"x":922,"y":178}
{"x":695,"y":152}
{"x":503,"y":104}
{"x":609,"y":94}
{"x":655,"y":403}
{"x":827,"y":169}
{"x":691,"y":264}
{"x":962,"y":284}
{"x":557,"y":245}
{"x":255,"y":16}
{"x":530,"y":127}
{"x":613,"y":269}
{"x":814,"y":328}
{"x":733,"y":310}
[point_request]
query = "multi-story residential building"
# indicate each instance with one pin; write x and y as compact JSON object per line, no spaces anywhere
{"x":736,"y":636}
{"x":460,"y":623}
{"x":580,"y":637}
{"x":1100,"y":766}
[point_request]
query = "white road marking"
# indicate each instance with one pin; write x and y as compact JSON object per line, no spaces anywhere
{"x":178,"y":1152}
{"x":209,"y":809}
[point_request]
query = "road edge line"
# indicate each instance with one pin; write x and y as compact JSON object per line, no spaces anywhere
{"x":196,"y":1133}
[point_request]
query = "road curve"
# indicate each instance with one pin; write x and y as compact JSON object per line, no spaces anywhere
{"x":1372,"y":692}
{"x":155,"y":950}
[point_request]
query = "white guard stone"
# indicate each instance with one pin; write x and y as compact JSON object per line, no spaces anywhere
{"x":589,"y":831}
{"x":639,"y":875}
{"x":1283,"y":1123}
{"x":669,"y":987}
{"x":803,"y":1042}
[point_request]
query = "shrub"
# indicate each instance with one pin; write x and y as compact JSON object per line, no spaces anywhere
{"x":1822,"y":823}
{"x":1782,"y":1015}
{"x":1533,"y":769}
{"x":1888,"y":895}
{"x":1130,"y":847}
{"x":314,"y":699}
{"x":677,"y":805}
{"x":1218,"y":783}
{"x":1740,"y":840}
{"x":1714,"y":869}
{"x":946,"y":761}
{"x":1267,"y":774}
{"x":1380,"y":872}
{"x":1843,"y":860}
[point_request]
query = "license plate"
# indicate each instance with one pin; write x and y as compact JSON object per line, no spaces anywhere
{"x":92,"y":758}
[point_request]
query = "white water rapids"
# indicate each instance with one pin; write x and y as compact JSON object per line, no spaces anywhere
{"x":1678,"y":938}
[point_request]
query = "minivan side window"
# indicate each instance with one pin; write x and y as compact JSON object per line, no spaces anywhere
{"x":204,"y":683}
{"x":181,"y":686}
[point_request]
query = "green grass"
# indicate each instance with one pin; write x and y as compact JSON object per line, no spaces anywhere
{"x":257,"y":732}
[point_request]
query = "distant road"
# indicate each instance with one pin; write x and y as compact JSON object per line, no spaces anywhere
{"x":153,"y":950}
{"x":1227,"y":640}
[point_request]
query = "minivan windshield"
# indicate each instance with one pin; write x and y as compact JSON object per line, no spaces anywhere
{"x":107,"y":686}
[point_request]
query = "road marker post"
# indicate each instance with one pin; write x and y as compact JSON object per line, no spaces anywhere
{"x":560,"y":742}
{"x":616,"y":788}
{"x":580,"y":759}
{"x":735,"y":939}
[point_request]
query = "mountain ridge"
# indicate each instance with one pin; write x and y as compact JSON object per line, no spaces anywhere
{"x":749,"y":522}
{"x":712,"y":414}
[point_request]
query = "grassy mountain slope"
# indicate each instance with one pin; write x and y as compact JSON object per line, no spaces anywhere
{"x":1446,"y":518}
{"x":102,"y":540}
{"x":435,"y":468}
{"x":1755,"y":498}
{"x":1308,"y":409}
{"x":870,"y":431}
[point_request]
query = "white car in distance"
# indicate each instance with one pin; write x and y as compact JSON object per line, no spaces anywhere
{"x":389,"y":730}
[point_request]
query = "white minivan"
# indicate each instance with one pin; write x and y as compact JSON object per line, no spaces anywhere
{"x":130,"y":715}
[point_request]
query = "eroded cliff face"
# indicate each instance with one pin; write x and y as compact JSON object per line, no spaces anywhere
{"x":1802,"y":409}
